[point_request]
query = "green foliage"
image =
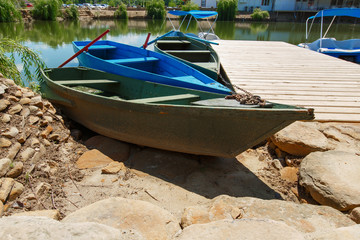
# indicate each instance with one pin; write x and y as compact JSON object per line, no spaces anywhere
{"x":189,"y":6}
{"x":227,"y":10}
{"x":8,"y":11}
{"x":259,"y":15}
{"x":10,"y":48}
{"x":121,"y":12}
{"x":172,"y":3}
{"x":114,"y":3}
{"x":46,"y":9}
{"x":156,"y":9}
{"x":72,"y":13}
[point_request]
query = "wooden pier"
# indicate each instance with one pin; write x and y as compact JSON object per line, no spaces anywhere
{"x":284,"y":73}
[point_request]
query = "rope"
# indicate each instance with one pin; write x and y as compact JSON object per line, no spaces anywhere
{"x":247,"y":98}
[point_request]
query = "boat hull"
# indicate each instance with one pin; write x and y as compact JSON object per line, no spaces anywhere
{"x":202,"y":130}
{"x":346,"y":49}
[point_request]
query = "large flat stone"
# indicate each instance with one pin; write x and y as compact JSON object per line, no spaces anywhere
{"x":114,"y":149}
{"x":332,"y":178}
{"x":151,"y":221}
{"x":303,"y":217}
{"x":28,"y":227}
{"x":249,"y":229}
{"x":93,"y":158}
{"x":310,"y":140}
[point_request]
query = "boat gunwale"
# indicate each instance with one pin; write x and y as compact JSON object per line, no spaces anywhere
{"x":181,"y":108}
{"x":201,"y":77}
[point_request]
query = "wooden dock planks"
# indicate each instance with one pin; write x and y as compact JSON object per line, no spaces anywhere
{"x":285,"y":73}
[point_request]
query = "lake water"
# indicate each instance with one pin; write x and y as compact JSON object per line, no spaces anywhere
{"x":53,"y":39}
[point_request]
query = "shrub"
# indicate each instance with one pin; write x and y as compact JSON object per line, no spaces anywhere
{"x":8,"y":11}
{"x":172,"y":3}
{"x":189,"y":6}
{"x":72,"y":13}
{"x":10,"y":48}
{"x":156,"y":9}
{"x":121,"y":12}
{"x":227,"y":10}
{"x":259,"y":15}
{"x":46,"y":9}
{"x":114,"y":3}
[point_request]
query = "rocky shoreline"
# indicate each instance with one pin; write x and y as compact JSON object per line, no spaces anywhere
{"x":58,"y":181}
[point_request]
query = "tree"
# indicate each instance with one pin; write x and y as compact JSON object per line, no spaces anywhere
{"x":10,"y":48}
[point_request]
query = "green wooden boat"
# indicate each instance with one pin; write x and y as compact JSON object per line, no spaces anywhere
{"x":162,"y":116}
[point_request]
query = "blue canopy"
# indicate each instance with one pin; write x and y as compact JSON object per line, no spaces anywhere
{"x":195,"y":13}
{"x":350,"y":12}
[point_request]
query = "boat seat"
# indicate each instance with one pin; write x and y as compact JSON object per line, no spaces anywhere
{"x":188,"y":51}
{"x":132,"y":60}
{"x":174,"y":42}
{"x":186,"y":78}
{"x":101,"y":47}
{"x":86,"y":82}
{"x":166,"y":98}
{"x":207,"y":64}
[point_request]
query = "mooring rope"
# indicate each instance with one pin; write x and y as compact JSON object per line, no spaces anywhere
{"x":248,"y":98}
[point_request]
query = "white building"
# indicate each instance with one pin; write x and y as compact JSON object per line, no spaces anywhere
{"x":205,"y":3}
{"x":294,"y":5}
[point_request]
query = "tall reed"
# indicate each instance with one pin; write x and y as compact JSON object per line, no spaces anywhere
{"x":46,"y":9}
{"x":121,"y":12}
{"x":156,"y":9}
{"x":227,"y":10}
{"x":8,"y":11}
{"x":72,"y":13}
{"x":259,"y":15}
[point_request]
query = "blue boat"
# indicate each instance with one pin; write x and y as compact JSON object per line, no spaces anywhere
{"x":142,"y":64}
{"x":347,"y":49}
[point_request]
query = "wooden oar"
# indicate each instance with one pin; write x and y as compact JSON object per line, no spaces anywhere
{"x":146,"y":41}
{"x":86,"y":48}
{"x":158,"y":38}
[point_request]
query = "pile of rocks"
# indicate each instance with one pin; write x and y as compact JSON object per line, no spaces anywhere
{"x":34,"y":144}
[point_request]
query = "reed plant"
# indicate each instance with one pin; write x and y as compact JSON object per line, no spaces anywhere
{"x":227,"y":10}
{"x":121,"y":12}
{"x":8,"y":11}
{"x":259,"y":15}
{"x":46,"y":9}
{"x":30,"y":60}
{"x":156,"y":9}
{"x":72,"y":13}
{"x":189,"y":6}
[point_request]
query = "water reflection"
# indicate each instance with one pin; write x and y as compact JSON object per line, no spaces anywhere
{"x":53,"y":39}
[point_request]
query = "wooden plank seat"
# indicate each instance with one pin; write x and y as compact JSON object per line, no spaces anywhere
{"x":86,"y":82}
{"x":166,"y":98}
{"x":207,"y":64}
{"x":101,"y":47}
{"x":173,"y":42}
{"x":188,"y":51}
{"x":133,"y":60}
